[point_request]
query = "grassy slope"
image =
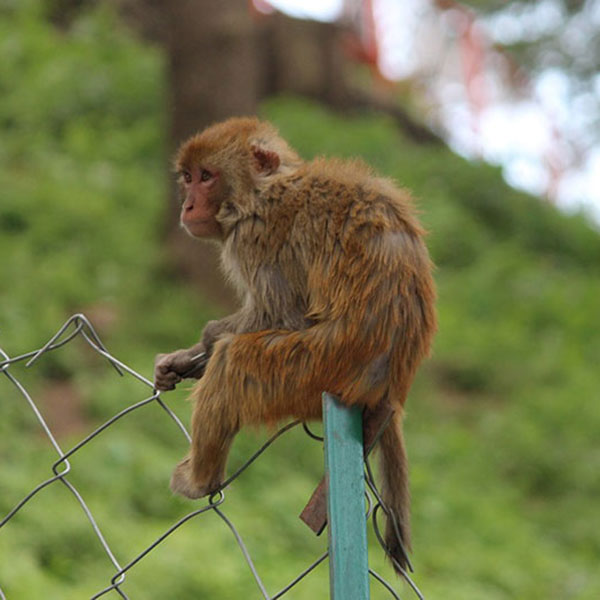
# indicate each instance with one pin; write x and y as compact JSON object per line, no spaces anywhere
{"x":502,"y":421}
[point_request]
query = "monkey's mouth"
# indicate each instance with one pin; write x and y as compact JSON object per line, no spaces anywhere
{"x":192,"y":222}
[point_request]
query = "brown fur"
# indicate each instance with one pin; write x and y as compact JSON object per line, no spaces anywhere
{"x":338,"y":297}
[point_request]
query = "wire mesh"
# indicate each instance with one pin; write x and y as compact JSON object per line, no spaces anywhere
{"x":78,"y":326}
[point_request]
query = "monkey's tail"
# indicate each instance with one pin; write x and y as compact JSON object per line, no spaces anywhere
{"x":395,"y":493}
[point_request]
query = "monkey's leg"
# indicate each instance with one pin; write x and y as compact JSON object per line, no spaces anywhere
{"x":202,"y":471}
{"x":260,"y":378}
{"x":226,"y":398}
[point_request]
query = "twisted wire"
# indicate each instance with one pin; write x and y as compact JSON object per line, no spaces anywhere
{"x":78,"y":326}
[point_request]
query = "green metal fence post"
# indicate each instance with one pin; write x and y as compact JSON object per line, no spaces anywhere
{"x":348,"y":560}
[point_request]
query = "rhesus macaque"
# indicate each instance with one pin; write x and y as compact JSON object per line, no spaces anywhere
{"x":337,"y":296}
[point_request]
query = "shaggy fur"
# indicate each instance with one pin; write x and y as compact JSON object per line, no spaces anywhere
{"x":338,"y":297}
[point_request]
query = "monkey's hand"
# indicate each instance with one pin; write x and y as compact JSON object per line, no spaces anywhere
{"x":170,"y":369}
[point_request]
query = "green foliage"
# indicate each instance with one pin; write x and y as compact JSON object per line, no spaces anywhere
{"x":502,"y":421}
{"x":80,"y":167}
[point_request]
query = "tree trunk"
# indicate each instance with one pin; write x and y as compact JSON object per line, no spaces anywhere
{"x":213,"y":73}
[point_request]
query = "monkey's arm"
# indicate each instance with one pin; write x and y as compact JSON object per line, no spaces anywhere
{"x":171,"y":368}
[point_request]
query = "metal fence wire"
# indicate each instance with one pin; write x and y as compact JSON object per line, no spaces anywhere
{"x":78,"y":326}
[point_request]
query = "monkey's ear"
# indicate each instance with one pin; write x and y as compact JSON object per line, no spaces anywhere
{"x":266,"y":161}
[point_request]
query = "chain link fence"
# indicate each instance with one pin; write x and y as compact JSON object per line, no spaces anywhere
{"x":78,"y":326}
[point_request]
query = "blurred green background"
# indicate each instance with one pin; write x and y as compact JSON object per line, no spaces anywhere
{"x":503,"y":420}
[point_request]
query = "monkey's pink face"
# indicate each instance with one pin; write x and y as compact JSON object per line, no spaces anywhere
{"x":201,"y":201}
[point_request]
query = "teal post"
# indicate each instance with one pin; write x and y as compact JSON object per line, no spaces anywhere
{"x":348,"y":561}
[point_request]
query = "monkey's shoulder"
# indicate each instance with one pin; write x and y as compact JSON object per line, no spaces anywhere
{"x":350,"y":191}
{"x":348,"y":171}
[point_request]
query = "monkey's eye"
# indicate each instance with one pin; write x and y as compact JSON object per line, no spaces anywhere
{"x":187,"y":176}
{"x":205,"y":175}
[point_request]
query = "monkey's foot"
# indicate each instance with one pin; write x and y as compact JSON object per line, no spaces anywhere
{"x":182,"y":482}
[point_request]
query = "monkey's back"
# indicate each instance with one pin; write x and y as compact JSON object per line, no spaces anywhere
{"x":354,"y":249}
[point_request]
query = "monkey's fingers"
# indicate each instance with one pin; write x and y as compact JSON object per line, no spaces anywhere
{"x":166,"y":381}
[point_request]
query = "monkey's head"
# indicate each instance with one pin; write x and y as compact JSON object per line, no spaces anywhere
{"x":221,"y":168}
